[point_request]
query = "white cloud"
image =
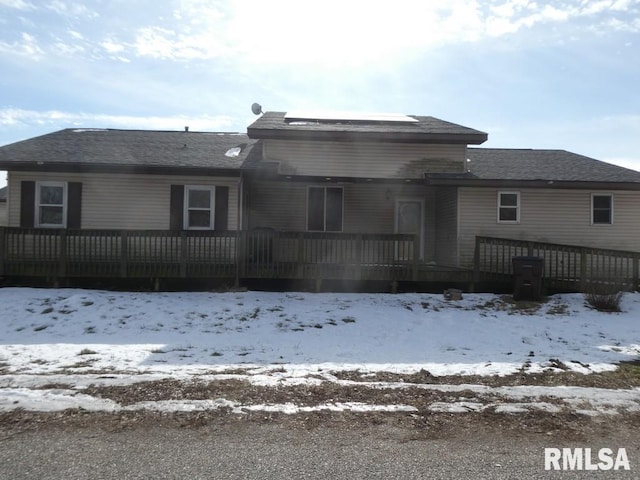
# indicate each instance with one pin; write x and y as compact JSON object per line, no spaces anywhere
{"x":18,"y":4}
{"x":27,"y":46}
{"x":339,"y":33}
{"x":66,"y":49}
{"x":71,"y":9}
{"x":112,"y":47}
{"x":59,"y":119}
{"x":333,"y":33}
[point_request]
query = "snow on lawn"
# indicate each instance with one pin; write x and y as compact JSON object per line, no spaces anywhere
{"x":54,"y":343}
{"x":45,"y":331}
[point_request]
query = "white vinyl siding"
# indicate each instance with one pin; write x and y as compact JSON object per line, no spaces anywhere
{"x":118,"y":201}
{"x":548,"y":215}
{"x":364,"y":160}
{"x":3,"y":213}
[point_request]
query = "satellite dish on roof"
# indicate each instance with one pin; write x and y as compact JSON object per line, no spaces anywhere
{"x":256,"y":108}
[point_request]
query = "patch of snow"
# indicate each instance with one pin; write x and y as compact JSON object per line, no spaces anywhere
{"x":64,"y":336}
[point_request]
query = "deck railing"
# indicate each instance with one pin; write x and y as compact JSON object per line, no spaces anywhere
{"x":565,"y":266}
{"x":60,"y":253}
{"x":266,"y":254}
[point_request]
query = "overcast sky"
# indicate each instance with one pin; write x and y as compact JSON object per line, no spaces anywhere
{"x":532,"y":74}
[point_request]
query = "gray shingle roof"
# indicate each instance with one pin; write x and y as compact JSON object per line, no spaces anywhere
{"x":128,"y":149}
{"x":547,"y":165}
{"x":427,"y":130}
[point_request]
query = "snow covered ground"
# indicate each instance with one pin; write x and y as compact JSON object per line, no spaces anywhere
{"x":79,"y":337}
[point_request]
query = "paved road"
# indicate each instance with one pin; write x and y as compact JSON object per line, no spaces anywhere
{"x":252,"y":450}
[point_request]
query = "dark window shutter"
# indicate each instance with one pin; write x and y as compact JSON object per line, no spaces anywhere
{"x":74,"y":205}
{"x":222,"y":209}
{"x":176,"y":208}
{"x":27,"y":204}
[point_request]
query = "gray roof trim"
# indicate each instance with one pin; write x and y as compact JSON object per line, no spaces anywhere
{"x":105,"y":168}
{"x":273,"y":125}
{"x":271,"y":174}
{"x":496,"y":183}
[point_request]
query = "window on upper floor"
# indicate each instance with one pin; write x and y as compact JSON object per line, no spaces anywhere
{"x":324,"y":209}
{"x":601,"y":209}
{"x":508,"y":207}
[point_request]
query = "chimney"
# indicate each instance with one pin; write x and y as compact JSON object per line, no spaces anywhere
{"x":186,"y":129}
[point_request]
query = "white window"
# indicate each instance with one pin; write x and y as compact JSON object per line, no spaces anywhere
{"x":324,"y":209}
{"x":199,"y":207}
{"x":601,"y":209}
{"x":51,"y":204}
{"x":508,"y":207}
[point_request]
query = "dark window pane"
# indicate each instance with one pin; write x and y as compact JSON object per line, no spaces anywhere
{"x":50,"y":215}
{"x":199,"y":198}
{"x":334,"y":209}
{"x":508,"y":215}
{"x":602,"y":216}
{"x":602,"y":201}
{"x":51,"y":195}
{"x":200,"y":218}
{"x":508,"y":200}
{"x":602,"y":208}
{"x":315,"y":210}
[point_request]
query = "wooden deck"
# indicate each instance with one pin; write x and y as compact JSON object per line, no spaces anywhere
{"x":56,"y":253}
{"x":265,"y":255}
{"x":566,"y":267}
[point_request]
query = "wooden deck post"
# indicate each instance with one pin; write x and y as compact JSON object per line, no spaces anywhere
{"x":359,"y":250}
{"x":240,"y":256}
{"x":416,"y":258}
{"x":476,"y":265}
{"x":184,"y":253}
{"x":583,"y":269}
{"x":300,"y":256}
{"x":124,"y":245}
{"x":62,"y":253}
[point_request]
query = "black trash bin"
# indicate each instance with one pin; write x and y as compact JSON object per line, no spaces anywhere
{"x":527,"y":277}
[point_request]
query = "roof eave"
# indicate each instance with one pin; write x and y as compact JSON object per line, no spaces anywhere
{"x":557,"y":184}
{"x":386,"y":137}
{"x":127,"y":169}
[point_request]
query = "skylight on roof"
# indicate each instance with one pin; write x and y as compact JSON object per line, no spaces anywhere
{"x":347,"y":117}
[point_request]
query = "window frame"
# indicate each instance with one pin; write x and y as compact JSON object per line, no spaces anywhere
{"x":212,"y":206}
{"x":610,"y":196}
{"x":39,"y":205}
{"x":500,"y":206}
{"x":324,"y":188}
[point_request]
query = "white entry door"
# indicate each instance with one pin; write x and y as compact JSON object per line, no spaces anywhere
{"x":410,"y":220}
